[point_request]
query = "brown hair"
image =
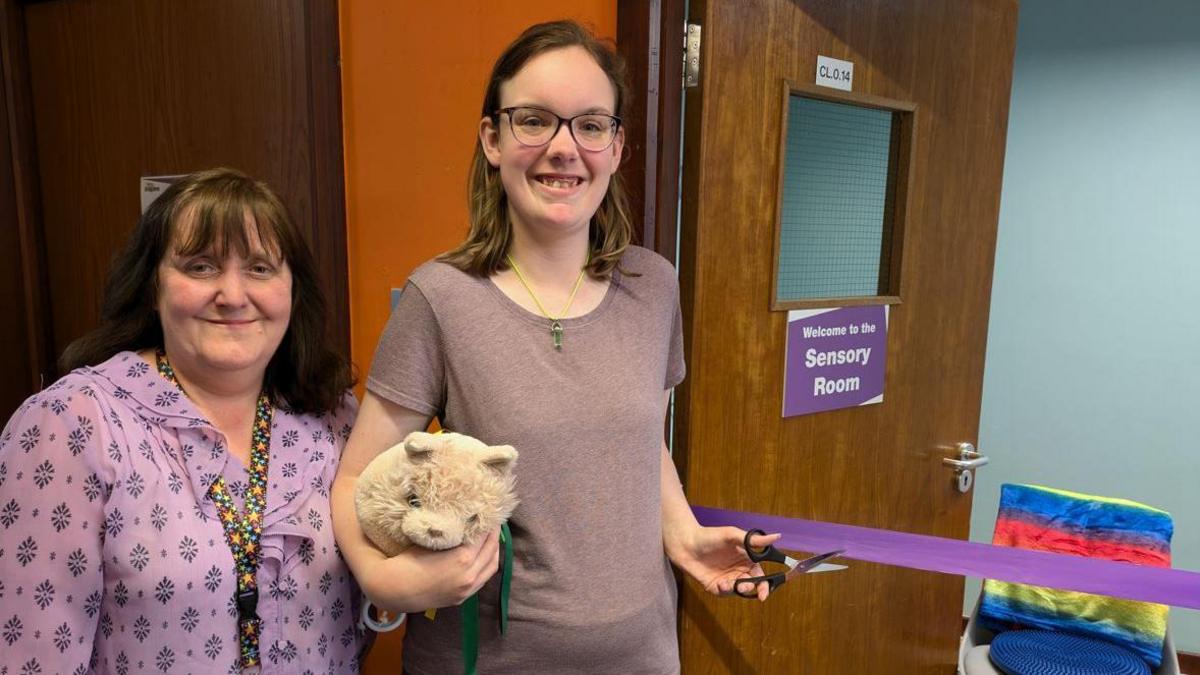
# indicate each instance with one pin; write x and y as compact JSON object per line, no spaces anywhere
{"x":490,"y":234}
{"x":305,"y":374}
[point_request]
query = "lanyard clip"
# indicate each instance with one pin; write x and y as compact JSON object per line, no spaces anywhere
{"x":247,"y":604}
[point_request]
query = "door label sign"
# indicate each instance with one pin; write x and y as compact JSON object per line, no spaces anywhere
{"x":153,"y":186}
{"x":835,"y":73}
{"x":835,"y":358}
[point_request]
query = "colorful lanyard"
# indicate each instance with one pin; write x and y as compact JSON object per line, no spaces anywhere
{"x":243,"y":530}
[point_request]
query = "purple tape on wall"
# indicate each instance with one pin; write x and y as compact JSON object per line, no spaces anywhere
{"x":1178,"y":588}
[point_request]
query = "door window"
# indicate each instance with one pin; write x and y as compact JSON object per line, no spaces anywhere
{"x":836,"y":226}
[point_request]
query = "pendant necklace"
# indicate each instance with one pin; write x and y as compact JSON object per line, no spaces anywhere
{"x":556,"y":329}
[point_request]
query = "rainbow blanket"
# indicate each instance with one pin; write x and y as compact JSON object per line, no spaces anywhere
{"x":1045,"y":519}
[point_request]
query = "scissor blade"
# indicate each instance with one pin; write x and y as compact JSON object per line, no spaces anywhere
{"x":810,"y":564}
{"x":825,"y":567}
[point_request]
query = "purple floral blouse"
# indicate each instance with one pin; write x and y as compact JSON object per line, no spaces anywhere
{"x":112,"y":559}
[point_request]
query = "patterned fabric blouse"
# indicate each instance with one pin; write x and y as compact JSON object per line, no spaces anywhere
{"x":112,"y":558}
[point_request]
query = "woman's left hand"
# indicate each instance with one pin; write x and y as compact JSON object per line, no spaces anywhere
{"x":714,"y":557}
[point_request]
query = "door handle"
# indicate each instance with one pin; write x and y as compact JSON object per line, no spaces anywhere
{"x":968,"y":460}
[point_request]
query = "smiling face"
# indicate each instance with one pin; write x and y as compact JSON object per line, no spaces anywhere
{"x":223,"y":311}
{"x":557,"y":187}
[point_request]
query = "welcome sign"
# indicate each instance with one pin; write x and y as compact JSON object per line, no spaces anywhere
{"x":835,"y":358}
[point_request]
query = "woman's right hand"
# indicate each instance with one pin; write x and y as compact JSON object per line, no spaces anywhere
{"x":420,"y":579}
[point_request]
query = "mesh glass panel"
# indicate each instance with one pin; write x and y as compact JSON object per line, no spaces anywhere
{"x":836,"y":217}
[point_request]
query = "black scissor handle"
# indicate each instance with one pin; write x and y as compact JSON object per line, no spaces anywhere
{"x":768,"y":552}
{"x":751,"y":583}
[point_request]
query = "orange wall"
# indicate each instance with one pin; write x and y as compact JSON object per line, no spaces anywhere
{"x":413,"y":76}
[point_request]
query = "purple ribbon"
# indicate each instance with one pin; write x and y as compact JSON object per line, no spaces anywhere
{"x":1178,"y":588}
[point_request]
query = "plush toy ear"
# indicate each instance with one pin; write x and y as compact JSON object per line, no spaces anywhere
{"x":419,"y":446}
{"x":498,"y":457}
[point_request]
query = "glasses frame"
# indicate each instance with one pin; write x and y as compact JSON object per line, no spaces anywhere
{"x":569,"y":121}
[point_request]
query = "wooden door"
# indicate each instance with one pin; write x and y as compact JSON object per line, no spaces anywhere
{"x":121,"y":89}
{"x":878,"y":465}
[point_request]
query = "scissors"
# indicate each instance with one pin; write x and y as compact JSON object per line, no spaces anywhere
{"x":769,"y":553}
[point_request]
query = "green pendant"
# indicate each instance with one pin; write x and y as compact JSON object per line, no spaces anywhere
{"x":556,"y":332}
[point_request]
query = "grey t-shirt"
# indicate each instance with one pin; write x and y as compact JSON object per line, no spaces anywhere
{"x":592,"y":591}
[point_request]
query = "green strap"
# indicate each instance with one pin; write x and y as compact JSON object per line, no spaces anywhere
{"x":505,"y":576}
{"x":470,"y":608}
{"x":470,"y":628}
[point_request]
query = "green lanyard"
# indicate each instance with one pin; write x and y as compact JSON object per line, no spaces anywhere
{"x":470,"y":608}
{"x":243,"y":531}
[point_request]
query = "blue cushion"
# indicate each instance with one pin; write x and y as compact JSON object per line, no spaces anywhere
{"x":1043,"y":652}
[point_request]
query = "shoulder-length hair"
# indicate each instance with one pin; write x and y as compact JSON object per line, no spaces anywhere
{"x":490,"y":235}
{"x":305,"y":374}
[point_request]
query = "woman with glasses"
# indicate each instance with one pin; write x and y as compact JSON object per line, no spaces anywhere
{"x":546,"y":330}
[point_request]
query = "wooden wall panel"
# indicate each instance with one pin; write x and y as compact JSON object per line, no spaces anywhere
{"x":129,"y":88}
{"x":14,"y":341}
{"x":26,"y":357}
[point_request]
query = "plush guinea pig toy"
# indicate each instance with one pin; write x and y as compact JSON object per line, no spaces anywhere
{"x":436,"y":491}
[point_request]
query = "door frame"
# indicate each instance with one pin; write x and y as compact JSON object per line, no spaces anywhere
{"x":650,"y":36}
{"x":650,"y":39}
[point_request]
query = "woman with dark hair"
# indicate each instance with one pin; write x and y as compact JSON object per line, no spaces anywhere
{"x":548,"y":331}
{"x":165,"y":504}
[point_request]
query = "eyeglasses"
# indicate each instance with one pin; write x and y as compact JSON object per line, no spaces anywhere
{"x":533,"y":127}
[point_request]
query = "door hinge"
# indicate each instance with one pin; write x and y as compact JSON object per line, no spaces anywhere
{"x":691,"y":56}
